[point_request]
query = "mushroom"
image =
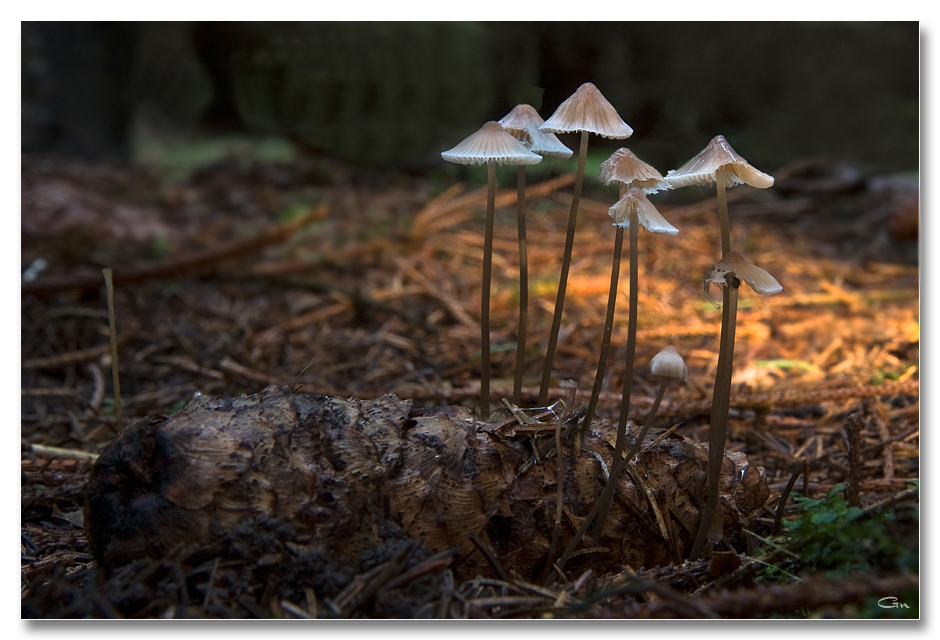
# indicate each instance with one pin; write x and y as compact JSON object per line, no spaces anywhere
{"x":587,"y":111}
{"x":724,"y":166}
{"x":523,"y":124}
{"x":728,"y":273}
{"x":624,"y":167}
{"x":667,"y":365}
{"x":491,"y":145}
{"x":758,"y":279}
{"x":631,"y":211}
{"x":636,"y":179}
{"x":721,"y":164}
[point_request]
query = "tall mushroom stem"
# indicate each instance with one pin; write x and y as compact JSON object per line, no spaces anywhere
{"x":721,"y":399}
{"x":608,"y":329}
{"x":723,"y":212}
{"x":563,"y":279}
{"x":628,"y":365}
{"x":523,"y":287}
{"x":485,"y":298}
{"x":631,"y":337}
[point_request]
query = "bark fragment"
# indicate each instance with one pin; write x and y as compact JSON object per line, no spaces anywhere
{"x":339,"y":469}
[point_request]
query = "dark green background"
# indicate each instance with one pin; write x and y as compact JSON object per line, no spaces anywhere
{"x":399,"y":93}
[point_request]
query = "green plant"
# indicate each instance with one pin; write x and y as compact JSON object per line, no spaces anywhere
{"x":834,"y":537}
{"x":830,"y":536}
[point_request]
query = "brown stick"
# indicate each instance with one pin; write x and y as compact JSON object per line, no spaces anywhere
{"x":853,"y":431}
{"x":188,"y":263}
{"x":115,"y":376}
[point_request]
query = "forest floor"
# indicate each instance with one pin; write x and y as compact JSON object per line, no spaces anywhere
{"x":334,"y":280}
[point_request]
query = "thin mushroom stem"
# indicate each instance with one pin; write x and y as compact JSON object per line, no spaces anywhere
{"x":523,"y":287}
{"x":563,"y":279}
{"x":723,"y":212}
{"x":608,"y":329}
{"x":649,"y":420}
{"x":631,"y":336}
{"x":608,"y":492}
{"x":628,"y":365}
{"x":485,"y":298}
{"x":721,"y":399}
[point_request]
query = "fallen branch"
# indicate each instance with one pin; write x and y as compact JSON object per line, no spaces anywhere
{"x":181,"y":265}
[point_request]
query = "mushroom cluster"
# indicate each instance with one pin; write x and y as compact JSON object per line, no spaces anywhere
{"x":721,"y":164}
{"x":522,"y":138}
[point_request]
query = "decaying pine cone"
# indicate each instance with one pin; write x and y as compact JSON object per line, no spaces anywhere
{"x":340,"y":468}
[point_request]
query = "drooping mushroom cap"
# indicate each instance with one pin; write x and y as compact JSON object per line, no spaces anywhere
{"x":733,"y":262}
{"x":587,"y":110}
{"x":523,"y":124}
{"x":669,"y":365}
{"x":647,"y":215}
{"x":624,"y":167}
{"x":491,"y":142}
{"x":703,"y":168}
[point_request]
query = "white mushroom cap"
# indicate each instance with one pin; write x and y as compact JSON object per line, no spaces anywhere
{"x":523,"y":123}
{"x":587,"y":110}
{"x":668,"y":364}
{"x":733,"y":262}
{"x":703,"y":168}
{"x":624,"y":167}
{"x":647,"y":215}
{"x":491,"y":142}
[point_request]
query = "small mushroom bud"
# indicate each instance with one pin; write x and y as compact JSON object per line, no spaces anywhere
{"x":669,"y":365}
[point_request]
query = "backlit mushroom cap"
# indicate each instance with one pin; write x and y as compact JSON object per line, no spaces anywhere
{"x":523,"y":123}
{"x":624,"y":167}
{"x":733,"y":262}
{"x":703,"y":168}
{"x":587,"y":110}
{"x":669,"y":365}
{"x":647,"y":215}
{"x":491,"y":142}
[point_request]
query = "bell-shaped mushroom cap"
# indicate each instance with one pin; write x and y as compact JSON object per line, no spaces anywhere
{"x":624,"y":167}
{"x":523,"y":124}
{"x":703,"y":168}
{"x":647,"y":215}
{"x":491,"y":142}
{"x":668,"y":364}
{"x":733,"y":262}
{"x":587,"y":110}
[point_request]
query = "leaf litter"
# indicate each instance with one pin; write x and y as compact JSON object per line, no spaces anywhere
{"x":322,"y":281}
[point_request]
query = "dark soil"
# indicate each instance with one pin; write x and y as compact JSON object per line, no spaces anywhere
{"x":327,"y":279}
